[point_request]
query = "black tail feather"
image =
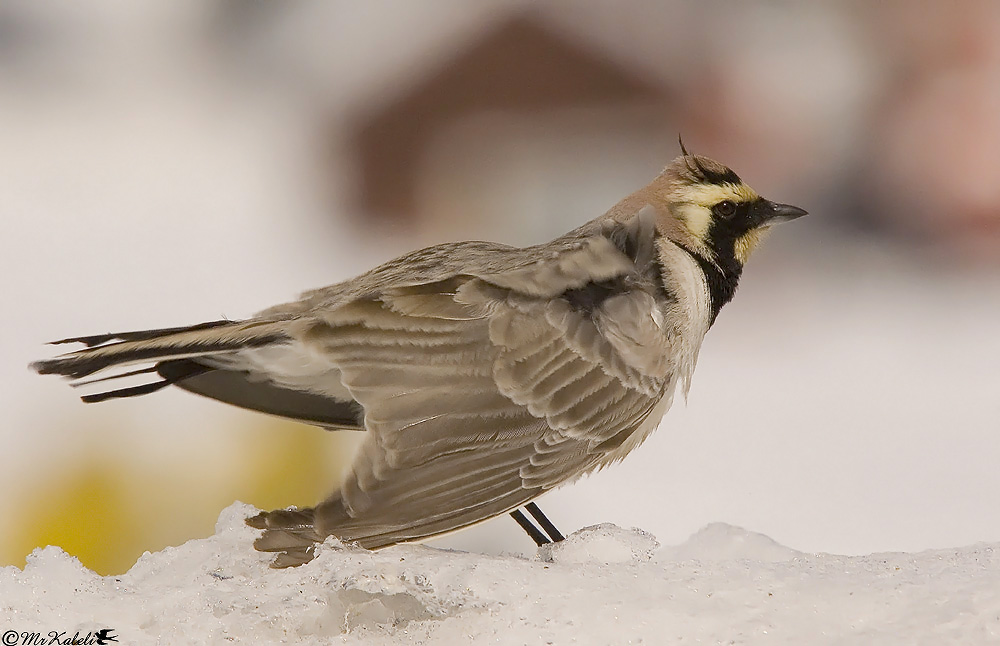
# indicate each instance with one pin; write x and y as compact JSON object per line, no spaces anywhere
{"x":87,"y":362}
{"x":177,"y":370}
{"x":203,"y":359}
{"x":141,"y":335}
{"x":130,"y":373}
{"x":131,"y":391}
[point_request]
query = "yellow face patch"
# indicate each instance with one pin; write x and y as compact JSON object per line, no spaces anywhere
{"x":747,"y":242}
{"x":693,"y":204}
{"x":711,"y":194}
{"x":695,"y":217}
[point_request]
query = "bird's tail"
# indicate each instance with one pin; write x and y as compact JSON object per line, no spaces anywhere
{"x":175,"y":353}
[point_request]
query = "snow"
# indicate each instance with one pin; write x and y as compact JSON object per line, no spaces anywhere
{"x":603,"y":585}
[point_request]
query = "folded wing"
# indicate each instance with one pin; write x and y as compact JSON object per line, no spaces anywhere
{"x":481,"y":392}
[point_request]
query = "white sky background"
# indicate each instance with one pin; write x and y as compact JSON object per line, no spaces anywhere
{"x":846,"y":402}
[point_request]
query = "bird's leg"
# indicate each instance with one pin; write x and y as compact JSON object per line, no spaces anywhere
{"x":546,"y":524}
{"x":532,"y":531}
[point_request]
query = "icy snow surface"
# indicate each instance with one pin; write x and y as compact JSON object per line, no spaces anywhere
{"x":603,"y":585}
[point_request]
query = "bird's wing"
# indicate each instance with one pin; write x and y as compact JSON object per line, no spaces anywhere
{"x":480,"y":392}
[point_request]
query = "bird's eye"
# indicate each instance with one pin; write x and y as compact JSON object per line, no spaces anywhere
{"x":724,"y":209}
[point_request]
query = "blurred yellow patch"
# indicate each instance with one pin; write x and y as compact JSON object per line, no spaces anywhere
{"x":107,"y":507}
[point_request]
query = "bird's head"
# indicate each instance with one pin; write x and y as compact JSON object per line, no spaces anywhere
{"x":722,"y":218}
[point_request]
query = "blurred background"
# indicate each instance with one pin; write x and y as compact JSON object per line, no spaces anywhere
{"x":173,"y":161}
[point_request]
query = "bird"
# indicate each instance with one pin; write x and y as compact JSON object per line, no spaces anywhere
{"x":483,"y":375}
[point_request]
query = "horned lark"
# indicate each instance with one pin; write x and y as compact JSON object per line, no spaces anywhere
{"x":484,"y":375}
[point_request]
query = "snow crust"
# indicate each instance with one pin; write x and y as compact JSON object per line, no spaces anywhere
{"x":603,"y":585}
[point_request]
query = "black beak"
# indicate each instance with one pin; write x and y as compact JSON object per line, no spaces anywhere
{"x":782,"y":213}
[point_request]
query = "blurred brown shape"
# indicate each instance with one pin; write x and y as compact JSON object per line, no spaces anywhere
{"x":518,"y":67}
{"x":937,"y":155}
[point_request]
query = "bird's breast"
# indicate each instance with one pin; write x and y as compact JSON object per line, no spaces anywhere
{"x":688,"y":313}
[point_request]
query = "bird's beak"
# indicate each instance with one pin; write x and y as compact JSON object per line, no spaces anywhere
{"x":775,"y":213}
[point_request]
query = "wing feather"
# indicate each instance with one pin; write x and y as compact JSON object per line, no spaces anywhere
{"x":482,"y":391}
